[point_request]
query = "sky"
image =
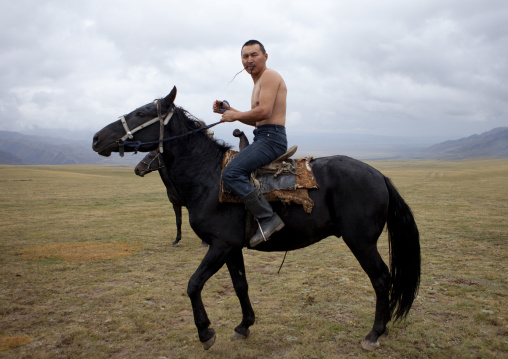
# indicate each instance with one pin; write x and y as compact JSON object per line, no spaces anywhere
{"x":432,"y":68}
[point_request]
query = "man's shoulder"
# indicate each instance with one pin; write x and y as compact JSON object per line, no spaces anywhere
{"x":271,"y":72}
{"x":271,"y":75}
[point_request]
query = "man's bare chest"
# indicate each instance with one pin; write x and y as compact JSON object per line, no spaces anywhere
{"x":255,"y":96}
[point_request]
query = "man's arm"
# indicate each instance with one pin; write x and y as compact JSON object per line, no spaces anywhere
{"x":267,"y":94}
{"x":217,"y":108}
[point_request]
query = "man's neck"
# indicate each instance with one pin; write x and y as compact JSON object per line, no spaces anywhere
{"x":256,"y":77}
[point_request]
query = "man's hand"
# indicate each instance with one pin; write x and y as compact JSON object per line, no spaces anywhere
{"x":228,"y":116}
{"x":220,"y":106}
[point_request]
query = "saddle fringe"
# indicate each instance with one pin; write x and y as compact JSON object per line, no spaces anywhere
{"x":299,"y":194}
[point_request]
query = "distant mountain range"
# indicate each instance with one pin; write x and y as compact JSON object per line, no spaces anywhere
{"x":21,"y":149}
{"x":491,"y":144}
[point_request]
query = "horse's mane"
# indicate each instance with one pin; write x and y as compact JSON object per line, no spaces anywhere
{"x":209,"y":147}
{"x":187,"y":122}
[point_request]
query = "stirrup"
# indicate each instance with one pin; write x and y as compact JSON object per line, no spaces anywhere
{"x":261,"y":230}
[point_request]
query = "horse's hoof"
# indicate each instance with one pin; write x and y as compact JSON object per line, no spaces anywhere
{"x":370,"y":346}
{"x":237,"y":335}
{"x":203,"y":245}
{"x":208,"y":344}
{"x":176,"y":244}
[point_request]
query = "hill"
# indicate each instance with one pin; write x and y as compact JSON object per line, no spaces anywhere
{"x":491,"y":144}
{"x":17,"y":148}
{"x":7,"y":158}
{"x":23,"y":149}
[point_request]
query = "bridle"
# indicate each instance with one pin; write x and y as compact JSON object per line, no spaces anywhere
{"x":129,"y":133}
{"x":126,"y":140}
{"x":148,"y":164}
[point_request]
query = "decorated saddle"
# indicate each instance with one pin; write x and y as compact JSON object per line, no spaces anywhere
{"x":285,"y":179}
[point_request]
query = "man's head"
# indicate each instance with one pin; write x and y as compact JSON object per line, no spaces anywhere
{"x":254,"y":57}
{"x":255,"y":42}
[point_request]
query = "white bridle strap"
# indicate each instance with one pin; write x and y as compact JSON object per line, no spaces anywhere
{"x":161,"y":132}
{"x":168,"y":117}
{"x":163,"y":122}
{"x":129,"y":133}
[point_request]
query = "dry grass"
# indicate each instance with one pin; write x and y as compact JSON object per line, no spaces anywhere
{"x":81,"y":251}
{"x":87,"y":270}
{"x":8,"y":342}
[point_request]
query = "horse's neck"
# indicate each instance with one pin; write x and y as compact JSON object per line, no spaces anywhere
{"x":173,"y":194}
{"x":195,"y":171}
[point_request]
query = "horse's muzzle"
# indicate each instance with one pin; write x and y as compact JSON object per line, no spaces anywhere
{"x":99,"y":148}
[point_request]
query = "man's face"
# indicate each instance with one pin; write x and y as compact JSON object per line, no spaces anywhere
{"x":253,"y":59}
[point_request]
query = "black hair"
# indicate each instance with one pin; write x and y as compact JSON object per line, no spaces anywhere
{"x":255,"y":42}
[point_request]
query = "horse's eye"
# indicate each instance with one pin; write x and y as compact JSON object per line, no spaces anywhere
{"x":140,"y":114}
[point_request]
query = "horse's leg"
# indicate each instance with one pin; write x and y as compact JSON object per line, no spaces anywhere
{"x":211,"y":263}
{"x":236,"y":268}
{"x":379,"y":275}
{"x":178,"y":214}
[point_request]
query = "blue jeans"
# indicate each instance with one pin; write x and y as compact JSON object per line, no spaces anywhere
{"x":270,"y":143}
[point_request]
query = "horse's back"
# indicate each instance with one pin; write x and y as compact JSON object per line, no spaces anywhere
{"x":356,"y":193}
{"x":352,"y":195}
{"x":341,"y":169}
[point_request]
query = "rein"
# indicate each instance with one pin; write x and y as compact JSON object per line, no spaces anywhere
{"x":125,"y":140}
{"x":137,"y":144}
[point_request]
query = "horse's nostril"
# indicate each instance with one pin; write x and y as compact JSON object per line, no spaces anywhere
{"x":95,"y":140}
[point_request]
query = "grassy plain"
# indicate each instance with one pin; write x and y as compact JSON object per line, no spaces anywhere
{"x":87,"y":270}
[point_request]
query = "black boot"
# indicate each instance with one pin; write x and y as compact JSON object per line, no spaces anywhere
{"x":269,"y":222}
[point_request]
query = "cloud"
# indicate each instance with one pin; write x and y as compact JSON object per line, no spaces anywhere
{"x":384,"y":67}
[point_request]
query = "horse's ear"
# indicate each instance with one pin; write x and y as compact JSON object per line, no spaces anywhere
{"x":170,"y":99}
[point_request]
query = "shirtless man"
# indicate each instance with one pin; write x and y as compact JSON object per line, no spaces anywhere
{"x":268,"y":115}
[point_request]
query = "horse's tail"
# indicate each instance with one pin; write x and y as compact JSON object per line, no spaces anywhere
{"x":405,"y":260}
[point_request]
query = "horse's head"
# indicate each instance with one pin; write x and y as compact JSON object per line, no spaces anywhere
{"x":151,"y":162}
{"x":146,"y":122}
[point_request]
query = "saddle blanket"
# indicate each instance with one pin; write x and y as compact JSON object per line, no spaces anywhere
{"x":289,"y":185}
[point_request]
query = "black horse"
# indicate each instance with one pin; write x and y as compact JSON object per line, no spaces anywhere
{"x":354,"y":201}
{"x":153,"y":162}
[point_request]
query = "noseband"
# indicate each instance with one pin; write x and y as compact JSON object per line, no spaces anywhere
{"x":129,"y":133}
{"x":148,"y":164}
